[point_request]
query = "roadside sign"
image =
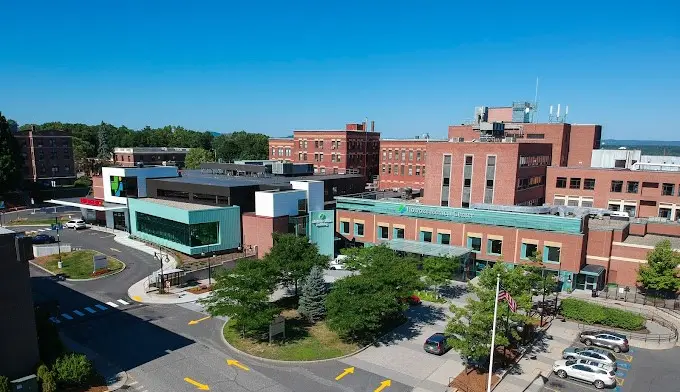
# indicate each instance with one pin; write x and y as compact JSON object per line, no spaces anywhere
{"x":278,"y":326}
{"x":57,"y":226}
{"x":2,"y":205}
{"x":100,"y":262}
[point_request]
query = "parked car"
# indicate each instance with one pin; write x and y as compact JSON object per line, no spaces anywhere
{"x":43,"y":239}
{"x":599,"y":377}
{"x":337,"y":263}
{"x":436,"y":344}
{"x":75,"y":224}
{"x":590,"y":353}
{"x":412,"y":300}
{"x":611,"y":340}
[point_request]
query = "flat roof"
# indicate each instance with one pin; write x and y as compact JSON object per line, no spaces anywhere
{"x":75,"y":202}
{"x":196,"y":177}
{"x":179,"y":204}
{"x":652,"y":240}
{"x":426,"y":248}
{"x":607,"y":224}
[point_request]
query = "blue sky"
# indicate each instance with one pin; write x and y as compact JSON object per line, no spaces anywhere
{"x":274,"y":66}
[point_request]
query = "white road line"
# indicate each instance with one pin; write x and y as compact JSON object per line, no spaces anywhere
{"x":123,"y":302}
{"x":66,"y":316}
{"x":89,"y":309}
{"x":79,"y":313}
{"x":55,"y":320}
{"x":111,"y":304}
{"x":101,"y":307}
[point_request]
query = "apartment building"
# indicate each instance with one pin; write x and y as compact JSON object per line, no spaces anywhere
{"x":281,"y":149}
{"x":47,"y":157}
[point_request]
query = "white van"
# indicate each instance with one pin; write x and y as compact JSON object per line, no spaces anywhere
{"x":337,"y":263}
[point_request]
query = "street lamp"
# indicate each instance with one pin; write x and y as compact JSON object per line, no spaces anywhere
{"x":210,"y":271}
{"x":56,"y":226}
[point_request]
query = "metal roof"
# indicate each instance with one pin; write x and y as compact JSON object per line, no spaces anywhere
{"x":592,"y":269}
{"x":426,"y":248}
{"x":196,"y":177}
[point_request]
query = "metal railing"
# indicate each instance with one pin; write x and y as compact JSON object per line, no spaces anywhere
{"x":633,"y":295}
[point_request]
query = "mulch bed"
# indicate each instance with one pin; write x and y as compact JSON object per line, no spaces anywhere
{"x":472,"y":381}
{"x":200,"y":289}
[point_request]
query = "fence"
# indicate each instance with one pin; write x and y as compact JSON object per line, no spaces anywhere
{"x":634,"y":295}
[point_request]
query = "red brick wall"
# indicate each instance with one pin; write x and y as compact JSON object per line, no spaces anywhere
{"x":668,"y":229}
{"x":98,"y":187}
{"x":258,"y":230}
{"x":638,"y":229}
{"x":583,"y":140}
{"x":390,"y":179}
{"x":599,"y":244}
{"x":500,"y":114}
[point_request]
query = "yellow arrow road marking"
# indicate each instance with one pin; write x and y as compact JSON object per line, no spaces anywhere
{"x":383,"y":385}
{"x":347,"y":371}
{"x":233,"y":362}
{"x":201,"y":387}
{"x":194,"y":322}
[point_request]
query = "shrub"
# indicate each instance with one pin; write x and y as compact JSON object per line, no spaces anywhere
{"x":4,"y":384}
{"x":73,"y":369}
{"x":42,"y":372}
{"x":590,"y":313}
{"x":49,"y":384}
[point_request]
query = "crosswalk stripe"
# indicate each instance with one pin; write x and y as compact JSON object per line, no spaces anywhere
{"x":66,"y":316}
{"x":123,"y":302}
{"x":79,"y":313}
{"x":89,"y":309}
{"x":100,"y":306}
{"x":111,"y":304}
{"x":55,"y":320}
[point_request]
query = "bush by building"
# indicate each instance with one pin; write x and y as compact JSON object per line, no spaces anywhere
{"x":4,"y":384}
{"x":72,"y":369}
{"x":590,"y":313}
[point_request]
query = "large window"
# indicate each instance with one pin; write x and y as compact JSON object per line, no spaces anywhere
{"x":474,"y":243}
{"x":575,"y":183}
{"x":617,"y":186}
{"x":494,"y":247}
{"x":426,"y":236}
{"x":444,"y":238}
{"x":632,"y":187}
{"x":668,"y":189}
{"x":551,"y":254}
{"x":528,"y":251}
{"x":398,"y":233}
{"x":561,"y":182}
{"x":198,"y":234}
{"x":359,"y":229}
{"x":383,"y":232}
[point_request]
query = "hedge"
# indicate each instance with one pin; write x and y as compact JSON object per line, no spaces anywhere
{"x":590,"y":313}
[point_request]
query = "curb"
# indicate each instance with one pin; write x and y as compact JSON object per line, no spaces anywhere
{"x":281,"y":362}
{"x":179,"y":301}
{"x":121,"y":380}
{"x":82,"y":280}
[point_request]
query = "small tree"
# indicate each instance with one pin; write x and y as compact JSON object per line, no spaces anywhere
{"x":312,"y":300}
{"x":660,"y":273}
{"x":294,"y":256}
{"x":49,"y":382}
{"x":196,"y":156}
{"x":4,"y":384}
{"x":73,"y":369}
{"x":439,"y":270}
{"x":10,"y":158}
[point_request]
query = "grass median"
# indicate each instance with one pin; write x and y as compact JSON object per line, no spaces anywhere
{"x":78,"y":264}
{"x":304,"y":342}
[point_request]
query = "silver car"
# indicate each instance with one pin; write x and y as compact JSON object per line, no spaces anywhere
{"x":591,"y":354}
{"x":611,"y":340}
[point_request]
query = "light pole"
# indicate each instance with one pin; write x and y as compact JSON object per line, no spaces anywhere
{"x":210,"y":270}
{"x":161,"y":290}
{"x":56,"y":226}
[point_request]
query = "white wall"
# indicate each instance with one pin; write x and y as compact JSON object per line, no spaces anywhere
{"x":314,"y":190}
{"x":273,"y":204}
{"x":141,"y":173}
{"x":607,"y":158}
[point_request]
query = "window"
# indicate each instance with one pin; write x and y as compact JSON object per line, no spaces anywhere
{"x":630,"y":209}
{"x":613,"y":207}
{"x":528,"y":251}
{"x":384,"y":169}
{"x":474,"y":243}
{"x":586,"y":202}
{"x":390,"y":154}
{"x":620,"y":163}
{"x":67,"y":169}
{"x":535,"y":136}
{"x":55,"y":170}
{"x":410,"y":155}
{"x":561,"y":182}
{"x":344,"y":227}
{"x":665,"y":212}
{"x":389,"y":169}
{"x":467,"y":182}
{"x":198,"y":234}
{"x":383,"y":232}
{"x":668,"y":189}
{"x":446,"y":181}
{"x":468,"y":159}
{"x":444,"y":203}
{"x":632,"y":187}
{"x":417,"y":170}
{"x":551,"y":254}
{"x":418,"y":156}
{"x":403,"y":155}
{"x":410,"y":170}
{"x":444,"y":238}
{"x":494,"y":247}
{"x":398,"y":233}
{"x":384,"y":154}
{"x":426,"y":236}
{"x":574,"y":183}
{"x":617,"y":186}
{"x":359,"y":229}
{"x":589,"y":183}
{"x":402,"y":170}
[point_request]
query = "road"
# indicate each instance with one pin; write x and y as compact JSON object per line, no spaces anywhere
{"x":158,"y":348}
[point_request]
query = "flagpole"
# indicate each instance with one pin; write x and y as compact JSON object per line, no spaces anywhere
{"x":493,"y":333}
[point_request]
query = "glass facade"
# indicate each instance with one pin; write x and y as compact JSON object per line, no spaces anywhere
{"x":198,"y":234}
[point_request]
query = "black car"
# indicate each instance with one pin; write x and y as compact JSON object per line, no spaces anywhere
{"x":43,"y":239}
{"x":437,"y":344}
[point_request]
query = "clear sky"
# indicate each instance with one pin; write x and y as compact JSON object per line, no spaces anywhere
{"x":274,"y":66}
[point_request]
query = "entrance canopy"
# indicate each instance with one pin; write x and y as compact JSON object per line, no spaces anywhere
{"x":90,"y":204}
{"x":426,"y":248}
{"x":592,"y":270}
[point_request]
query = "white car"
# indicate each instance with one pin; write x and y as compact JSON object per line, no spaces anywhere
{"x":75,"y":224}
{"x":594,"y":374}
{"x":337,"y":263}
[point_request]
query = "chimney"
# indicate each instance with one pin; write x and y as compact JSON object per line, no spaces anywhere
{"x":372,"y":125}
{"x":363,"y":126}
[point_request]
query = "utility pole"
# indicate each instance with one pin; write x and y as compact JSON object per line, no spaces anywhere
{"x":493,"y":333}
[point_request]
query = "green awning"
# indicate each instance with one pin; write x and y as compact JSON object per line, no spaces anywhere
{"x":592,"y":270}
{"x":426,"y":248}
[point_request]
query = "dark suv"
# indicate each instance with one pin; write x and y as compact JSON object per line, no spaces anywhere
{"x":611,"y":340}
{"x":436,"y":344}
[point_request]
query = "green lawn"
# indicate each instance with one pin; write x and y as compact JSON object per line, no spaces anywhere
{"x":23,"y":221}
{"x":77,"y":265}
{"x":305,"y":343}
{"x":429,"y":296}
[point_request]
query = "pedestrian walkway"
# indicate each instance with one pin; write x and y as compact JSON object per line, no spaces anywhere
{"x":95,"y":308}
{"x":140,"y":293}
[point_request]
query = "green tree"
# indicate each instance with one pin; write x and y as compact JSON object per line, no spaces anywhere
{"x":313,"y":297}
{"x":294,"y":256}
{"x":358,"y":309}
{"x":196,"y":156}
{"x":243,"y":295}
{"x":49,"y":382}
{"x":4,"y":384}
{"x":10,"y":158}
{"x":13,"y":126}
{"x":103,"y":148}
{"x":73,"y":369}
{"x":660,"y":274}
{"x":438,"y":270}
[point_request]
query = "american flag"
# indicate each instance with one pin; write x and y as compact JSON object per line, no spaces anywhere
{"x":504,"y":295}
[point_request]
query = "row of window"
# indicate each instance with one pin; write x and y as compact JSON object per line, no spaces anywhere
{"x":401,"y":170}
{"x":530,"y":182}
{"x":403,"y":155}
{"x":494,"y":246}
{"x":40,"y":142}
{"x":54,"y":170}
{"x":282,"y":151}
{"x":617,"y":186}
{"x":575,"y":183}
{"x":534,"y":160}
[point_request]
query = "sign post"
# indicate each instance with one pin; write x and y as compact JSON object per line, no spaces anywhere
{"x":99,"y":262}
{"x":56,"y":223}
{"x":278,"y":326}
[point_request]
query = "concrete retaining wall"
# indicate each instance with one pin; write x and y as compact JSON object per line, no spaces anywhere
{"x":50,"y":249}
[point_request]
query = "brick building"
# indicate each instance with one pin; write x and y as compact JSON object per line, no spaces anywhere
{"x":133,"y":156}
{"x":352,"y":150}
{"x":460,"y":174}
{"x":640,"y":193}
{"x":48,"y":157}
{"x":402,"y":163}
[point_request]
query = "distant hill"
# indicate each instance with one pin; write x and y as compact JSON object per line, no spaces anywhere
{"x":615,"y":142}
{"x":648,"y":147}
